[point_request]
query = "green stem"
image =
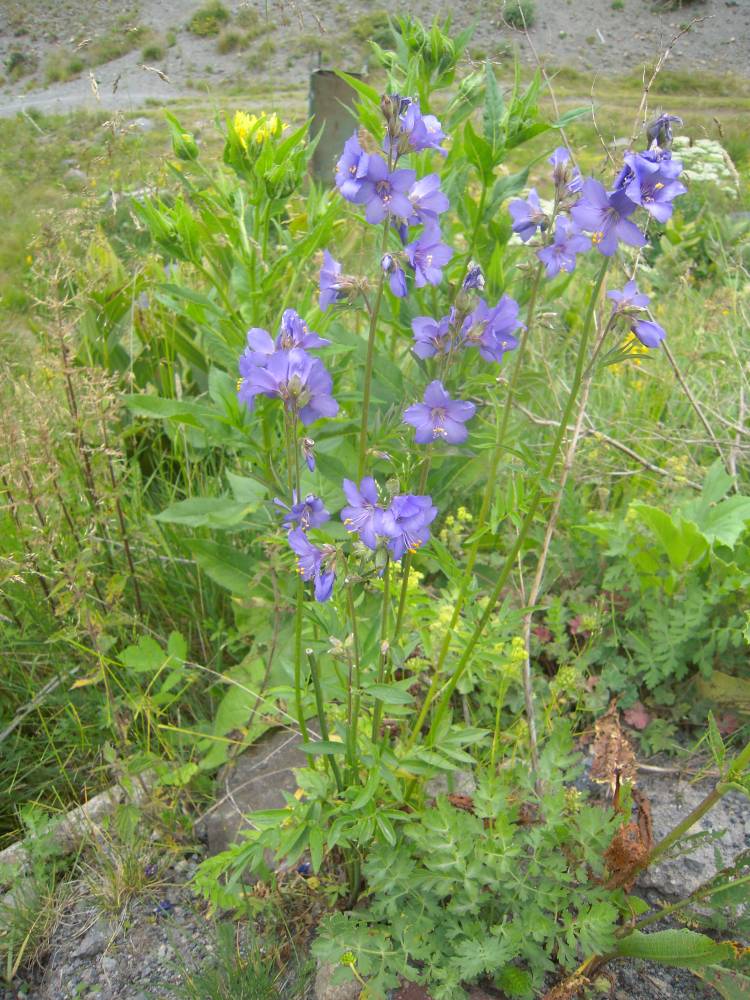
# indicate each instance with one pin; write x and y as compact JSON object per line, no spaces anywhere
{"x":525,"y":526}
{"x":478,"y":223}
{"x":354,"y":720}
{"x":501,"y":428}
{"x":378,"y":710}
{"x":300,"y":595}
{"x":370,"y":357}
{"x":406,"y":564}
{"x":322,"y":722}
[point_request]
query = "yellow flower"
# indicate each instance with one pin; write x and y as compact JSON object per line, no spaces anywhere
{"x":243,"y":124}
{"x":259,"y":129}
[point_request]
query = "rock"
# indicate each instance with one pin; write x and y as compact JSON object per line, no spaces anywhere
{"x":326,"y":990}
{"x":75,"y":178}
{"x":142,"y":125}
{"x":257,"y":779}
{"x":109,"y":965}
{"x":94,"y":941}
{"x":455,"y":783}
{"x":671,"y":801}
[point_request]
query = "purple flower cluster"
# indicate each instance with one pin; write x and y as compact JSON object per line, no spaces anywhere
{"x":394,"y":194}
{"x":283,"y":369}
{"x":628,"y":303}
{"x":403,"y":526}
{"x":647,"y":180}
{"x":488,"y":328}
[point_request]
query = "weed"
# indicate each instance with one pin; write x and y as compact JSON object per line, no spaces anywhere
{"x":230,"y":40}
{"x":19,"y":63}
{"x":374,"y":27}
{"x":618,"y":4}
{"x":519,"y":14}
{"x":258,"y":60}
{"x":154,"y":51}
{"x":208,"y":20}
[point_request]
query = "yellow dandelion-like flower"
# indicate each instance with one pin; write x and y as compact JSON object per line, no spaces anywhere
{"x":243,"y":124}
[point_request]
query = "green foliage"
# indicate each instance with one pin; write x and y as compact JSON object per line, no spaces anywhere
{"x":683,"y":572}
{"x":241,"y":970}
{"x":208,"y":20}
{"x":519,"y":14}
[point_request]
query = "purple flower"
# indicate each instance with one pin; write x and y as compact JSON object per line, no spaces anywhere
{"x":312,"y":562}
{"x":351,"y":169}
{"x":439,"y":417}
{"x":260,"y":347}
{"x":491,"y":330}
{"x":428,"y":255}
{"x":427,"y":200}
{"x":396,"y":276}
{"x":308,"y":452}
{"x":559,"y":160}
{"x":363,"y":514}
{"x":474,"y":278}
{"x":300,"y":381}
{"x":653,"y":184}
{"x":294,"y":332}
{"x":648,"y":332}
{"x":426,"y":131}
{"x":527,"y":215}
{"x":330,"y":273}
{"x":307,"y":513}
{"x":385,"y":192}
{"x":660,"y":131}
{"x":606,"y":217}
{"x":406,"y":523}
{"x":628,"y":298}
{"x":564,"y":174}
{"x":431,"y":336}
{"x":416,"y":132}
{"x":561,"y":254}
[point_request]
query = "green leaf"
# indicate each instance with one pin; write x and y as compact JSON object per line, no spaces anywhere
{"x":246,"y":490}
{"x":682,"y":948}
{"x":571,"y":116}
{"x":205,"y":512}
{"x":325,"y":748}
{"x":727,"y":521}
{"x":367,"y":793}
{"x":225,"y":565}
{"x":146,"y":657}
{"x":681,"y":540}
{"x":494,"y":106}
{"x":177,"y":646}
{"x":728,"y":984}
{"x":726,"y":690}
{"x":317,"y":843}
{"x":391,"y":694}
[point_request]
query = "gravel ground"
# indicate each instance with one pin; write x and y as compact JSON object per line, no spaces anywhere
{"x":593,"y":36}
{"x":139,"y":957}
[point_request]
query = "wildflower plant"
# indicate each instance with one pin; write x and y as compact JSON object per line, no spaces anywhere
{"x":373,"y":395}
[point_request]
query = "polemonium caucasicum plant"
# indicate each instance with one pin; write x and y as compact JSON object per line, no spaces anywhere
{"x":374,"y":694}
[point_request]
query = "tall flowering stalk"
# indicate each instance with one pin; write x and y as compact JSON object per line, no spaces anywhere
{"x":387,"y":523}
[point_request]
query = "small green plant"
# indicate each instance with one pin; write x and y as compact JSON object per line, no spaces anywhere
{"x":19,"y":63}
{"x":62,"y":65}
{"x":154,"y":51}
{"x":230,"y":40}
{"x":519,"y":14}
{"x":208,"y":20}
{"x":242,"y":969}
{"x":618,"y":4}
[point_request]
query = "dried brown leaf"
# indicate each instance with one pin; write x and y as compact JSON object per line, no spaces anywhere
{"x":614,"y":759}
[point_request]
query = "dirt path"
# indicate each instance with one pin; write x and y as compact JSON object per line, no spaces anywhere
{"x":288,"y":39}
